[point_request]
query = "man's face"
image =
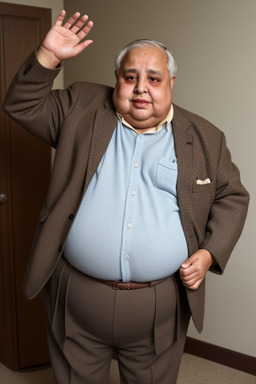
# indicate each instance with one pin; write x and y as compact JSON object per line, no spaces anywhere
{"x":143,"y":92}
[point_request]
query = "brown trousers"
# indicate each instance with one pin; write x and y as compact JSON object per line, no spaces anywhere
{"x":88,"y":320}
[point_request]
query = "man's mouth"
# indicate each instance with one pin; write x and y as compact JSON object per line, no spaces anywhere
{"x":140,"y":103}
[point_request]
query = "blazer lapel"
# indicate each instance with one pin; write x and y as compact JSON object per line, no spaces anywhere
{"x":183,"y":139}
{"x":184,"y":145}
{"x":104,"y":126}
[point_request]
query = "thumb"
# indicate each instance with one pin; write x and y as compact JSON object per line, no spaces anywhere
{"x":186,"y":264}
{"x":80,"y":47}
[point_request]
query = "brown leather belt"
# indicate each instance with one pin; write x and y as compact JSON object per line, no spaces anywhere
{"x":122,"y":285}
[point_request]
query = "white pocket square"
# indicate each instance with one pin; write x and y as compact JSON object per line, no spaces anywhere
{"x":203,"y":182}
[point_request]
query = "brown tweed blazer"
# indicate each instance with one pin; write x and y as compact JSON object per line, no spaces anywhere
{"x":78,"y":123}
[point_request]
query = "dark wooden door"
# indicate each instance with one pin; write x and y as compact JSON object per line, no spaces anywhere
{"x":24,"y":172}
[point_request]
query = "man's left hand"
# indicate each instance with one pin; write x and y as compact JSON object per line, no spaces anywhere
{"x":194,"y":269}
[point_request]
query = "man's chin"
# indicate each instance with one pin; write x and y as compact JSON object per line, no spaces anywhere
{"x":142,"y":123}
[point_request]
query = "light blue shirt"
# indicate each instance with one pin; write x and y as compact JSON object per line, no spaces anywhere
{"x":128,"y":226}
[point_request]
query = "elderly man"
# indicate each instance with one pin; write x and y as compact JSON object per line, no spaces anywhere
{"x":143,"y":200}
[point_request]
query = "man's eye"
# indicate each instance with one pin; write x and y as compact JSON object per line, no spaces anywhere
{"x":131,"y":78}
{"x":154,"y":79}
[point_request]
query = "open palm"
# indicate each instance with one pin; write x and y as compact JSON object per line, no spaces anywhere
{"x":67,"y":40}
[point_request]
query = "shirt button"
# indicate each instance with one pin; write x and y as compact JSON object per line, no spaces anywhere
{"x":129,"y":225}
{"x":136,"y":165}
{"x":133,"y":193}
{"x":127,"y":257}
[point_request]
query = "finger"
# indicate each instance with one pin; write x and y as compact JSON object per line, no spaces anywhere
{"x":72,"y":20}
{"x":192,"y":284}
{"x":189,"y":262}
{"x":186,"y":264}
{"x":79,"y":24}
{"x":189,"y":270}
{"x":85,"y":30}
{"x":190,"y":280}
{"x":186,"y":274}
{"x":188,"y":283}
{"x":60,"y":18}
{"x":80,"y":47}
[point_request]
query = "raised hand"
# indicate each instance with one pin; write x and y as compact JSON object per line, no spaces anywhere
{"x":65,"y":41}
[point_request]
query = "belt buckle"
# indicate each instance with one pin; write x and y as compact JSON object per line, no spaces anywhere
{"x":114,"y":285}
{"x":121,"y":288}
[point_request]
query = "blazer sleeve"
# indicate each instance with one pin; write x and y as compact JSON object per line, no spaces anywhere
{"x":228,"y":212}
{"x":32,"y":103}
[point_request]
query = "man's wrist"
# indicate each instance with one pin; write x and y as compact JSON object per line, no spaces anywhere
{"x":211,"y":258}
{"x":46,"y":58}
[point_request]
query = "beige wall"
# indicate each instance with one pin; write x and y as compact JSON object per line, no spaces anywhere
{"x":214,"y":44}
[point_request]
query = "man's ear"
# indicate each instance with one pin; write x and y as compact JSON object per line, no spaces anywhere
{"x":172,"y":81}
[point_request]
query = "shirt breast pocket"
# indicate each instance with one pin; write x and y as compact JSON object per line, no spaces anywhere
{"x":166,"y":175}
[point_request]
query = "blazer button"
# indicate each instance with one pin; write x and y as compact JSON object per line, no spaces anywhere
{"x":27,"y":70}
{"x":60,"y":248}
{"x":71,"y":216}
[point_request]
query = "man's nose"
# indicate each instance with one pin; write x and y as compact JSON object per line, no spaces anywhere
{"x":141,"y":86}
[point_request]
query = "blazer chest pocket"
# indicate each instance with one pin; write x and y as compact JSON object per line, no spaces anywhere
{"x":166,"y":176}
{"x":204,"y":186}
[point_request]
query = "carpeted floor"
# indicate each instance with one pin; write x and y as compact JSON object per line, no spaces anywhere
{"x":193,"y":371}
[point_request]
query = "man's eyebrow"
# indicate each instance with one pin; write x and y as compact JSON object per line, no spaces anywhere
{"x":149,"y":71}
{"x":130,"y":70}
{"x":154,"y":72}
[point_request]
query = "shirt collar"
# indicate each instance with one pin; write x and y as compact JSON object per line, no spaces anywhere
{"x":164,"y":123}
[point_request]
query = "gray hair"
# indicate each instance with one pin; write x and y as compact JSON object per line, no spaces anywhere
{"x":171,"y":64}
